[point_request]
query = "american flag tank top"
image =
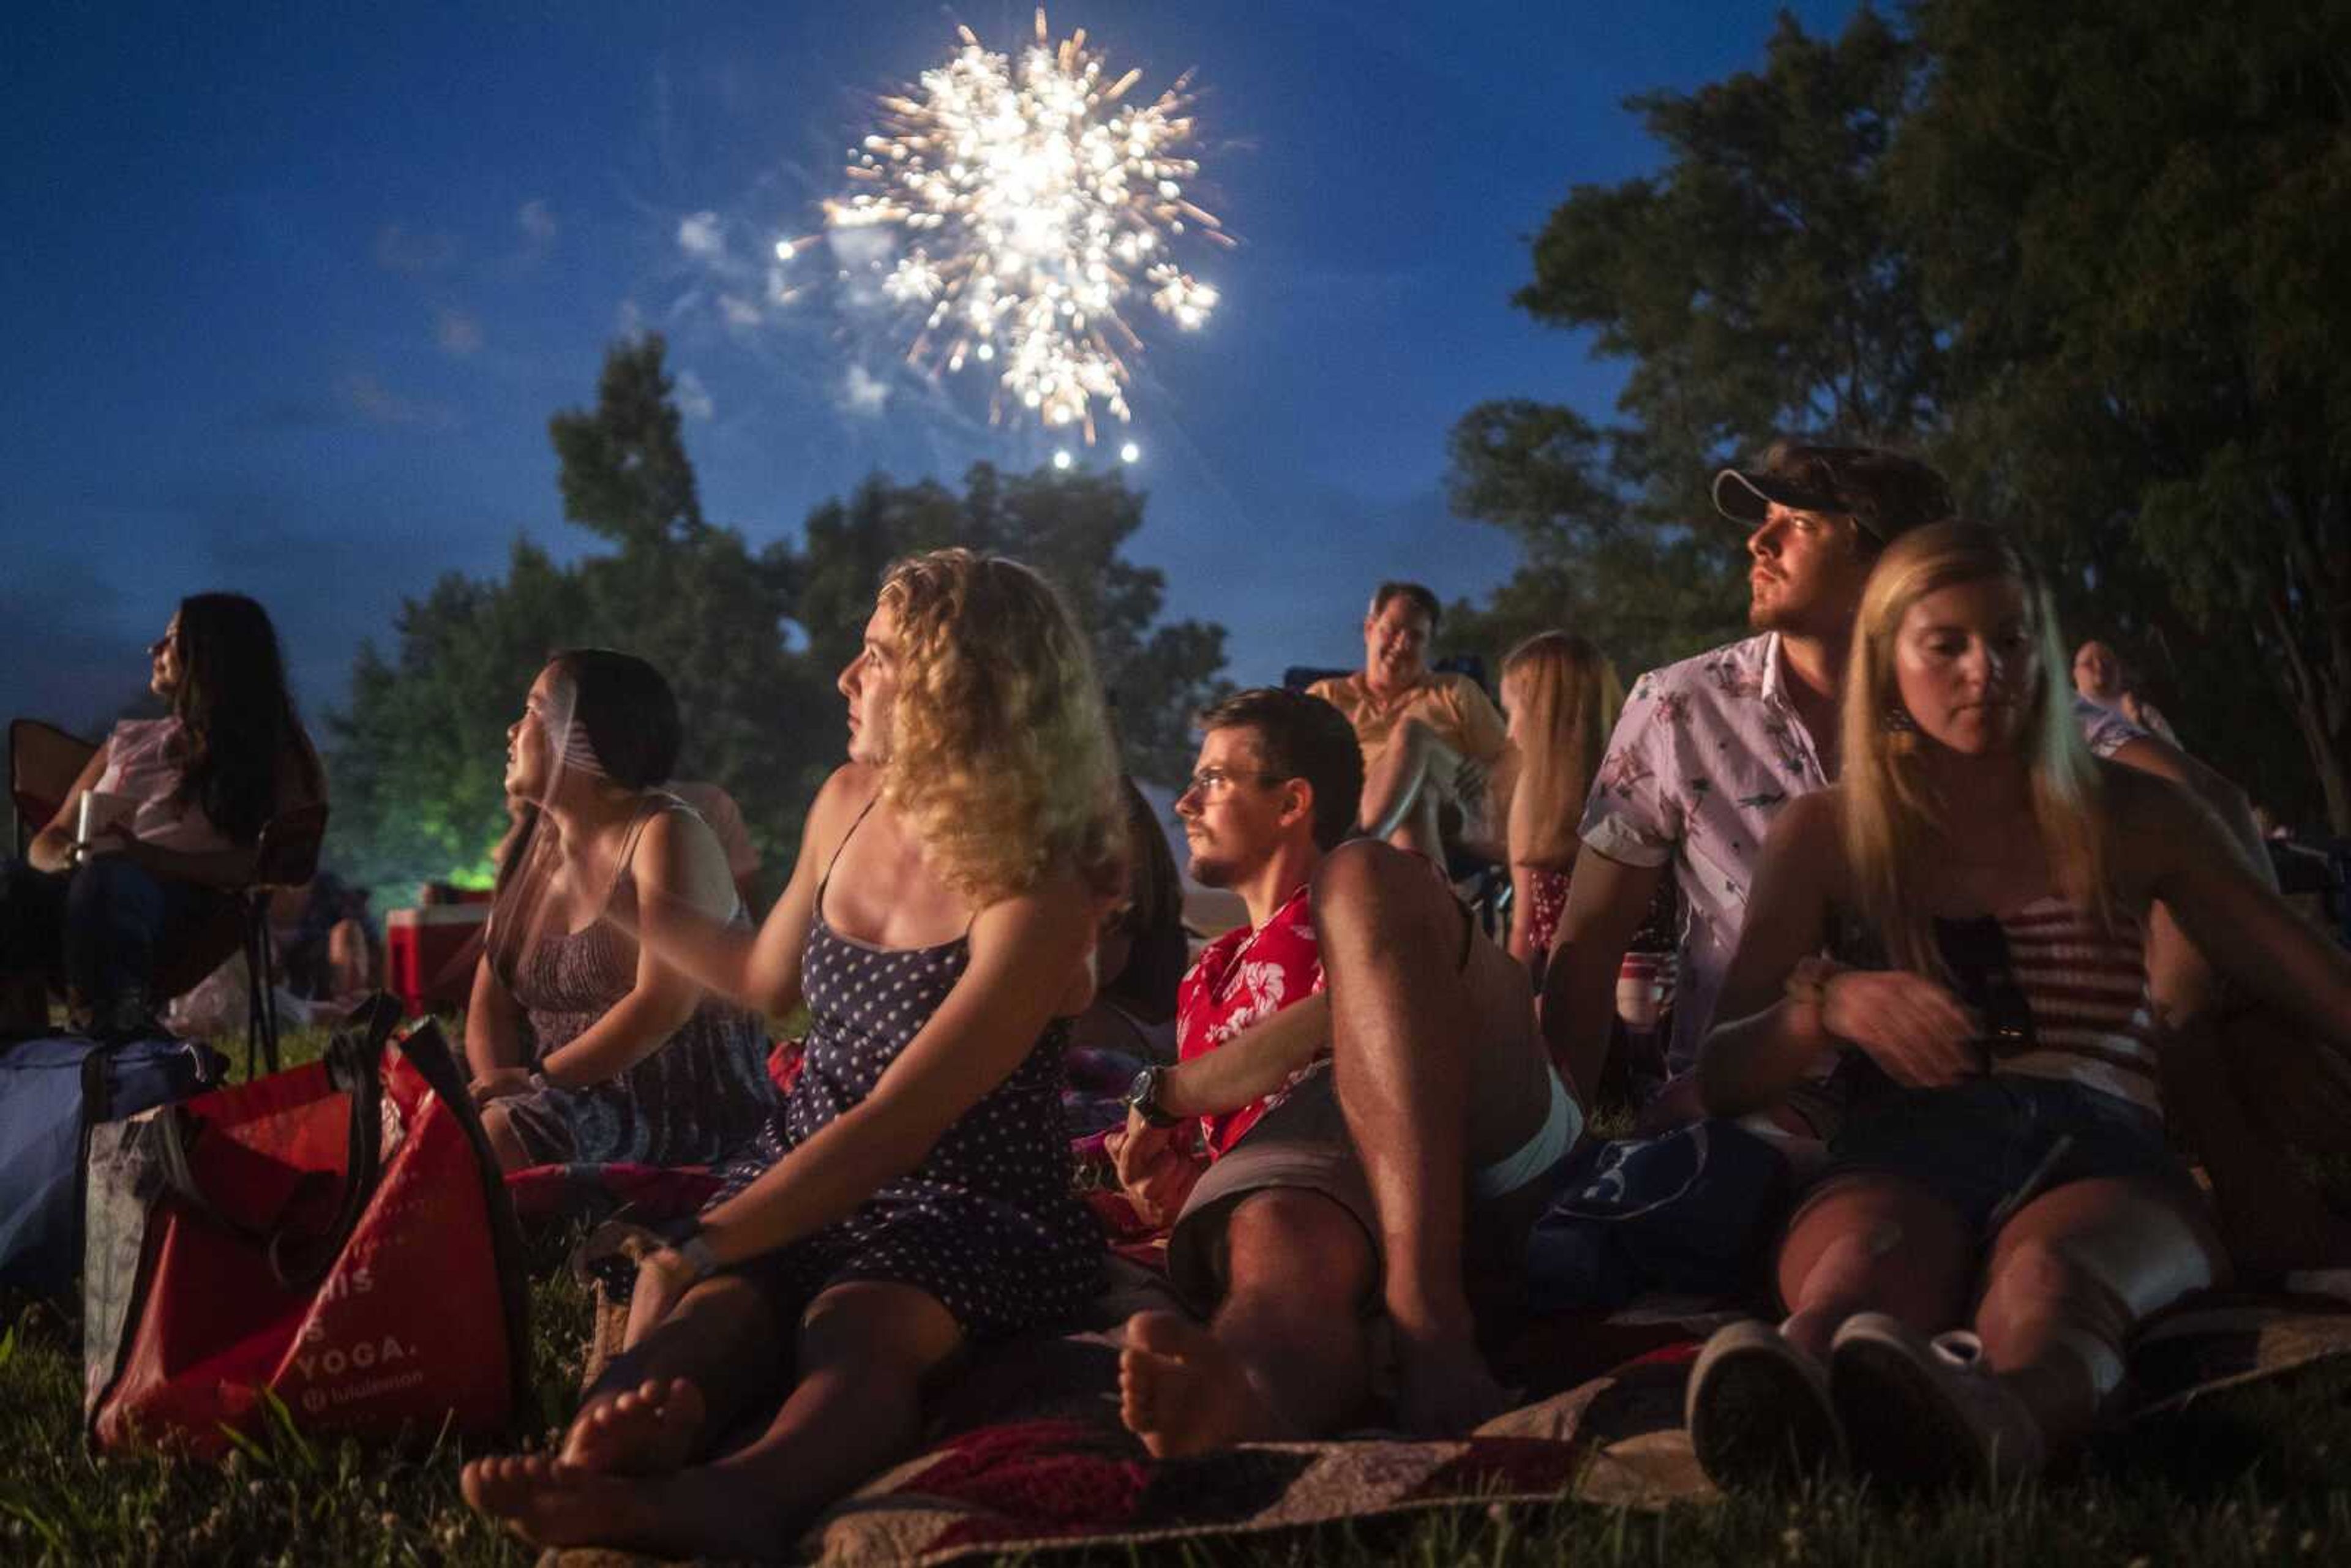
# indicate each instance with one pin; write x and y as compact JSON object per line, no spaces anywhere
{"x":2085,"y":985}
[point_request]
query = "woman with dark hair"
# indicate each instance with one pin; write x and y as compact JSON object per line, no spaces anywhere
{"x":586,"y":1047}
{"x":912,"y":1199}
{"x":1141,"y":955}
{"x":188,"y":794}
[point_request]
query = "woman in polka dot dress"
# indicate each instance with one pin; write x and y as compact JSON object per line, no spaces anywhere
{"x":911,"y":1197}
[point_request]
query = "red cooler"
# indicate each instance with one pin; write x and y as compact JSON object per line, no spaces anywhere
{"x":429,"y":953}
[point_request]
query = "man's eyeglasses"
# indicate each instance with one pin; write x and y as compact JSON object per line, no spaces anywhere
{"x":1211,"y":782}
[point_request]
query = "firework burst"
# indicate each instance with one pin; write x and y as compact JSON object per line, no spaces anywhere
{"x":1032,"y":202}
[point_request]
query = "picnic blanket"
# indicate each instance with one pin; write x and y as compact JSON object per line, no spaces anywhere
{"x":1027,"y":1453}
{"x":1061,"y":1471}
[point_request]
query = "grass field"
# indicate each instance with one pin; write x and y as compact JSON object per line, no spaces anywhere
{"x":2254,"y":1478}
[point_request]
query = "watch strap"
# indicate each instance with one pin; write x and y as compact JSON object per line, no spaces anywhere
{"x":1145,"y":1096}
{"x":695,"y":1250}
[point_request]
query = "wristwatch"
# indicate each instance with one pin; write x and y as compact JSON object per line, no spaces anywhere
{"x":1143,"y":1096}
{"x":695,"y":1250}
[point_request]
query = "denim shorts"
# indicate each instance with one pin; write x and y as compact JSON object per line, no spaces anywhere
{"x":1980,"y":1144}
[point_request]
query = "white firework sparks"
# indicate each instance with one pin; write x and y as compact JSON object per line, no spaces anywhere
{"x":1033,"y":203}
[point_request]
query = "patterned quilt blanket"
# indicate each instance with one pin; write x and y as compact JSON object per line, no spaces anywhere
{"x":1068,"y":1473}
{"x":1027,"y":1452}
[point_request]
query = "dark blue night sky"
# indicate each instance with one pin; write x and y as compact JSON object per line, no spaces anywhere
{"x":293,"y":290}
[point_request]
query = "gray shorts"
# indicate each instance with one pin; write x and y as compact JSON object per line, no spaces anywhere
{"x":1303,"y":1145}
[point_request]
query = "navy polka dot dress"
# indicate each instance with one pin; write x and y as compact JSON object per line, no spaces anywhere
{"x":986,"y":1225}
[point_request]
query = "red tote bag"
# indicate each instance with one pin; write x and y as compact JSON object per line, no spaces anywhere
{"x":337,"y":1236}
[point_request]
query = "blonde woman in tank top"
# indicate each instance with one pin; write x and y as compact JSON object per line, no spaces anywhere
{"x":2001,"y":1207}
{"x":911,"y":1197}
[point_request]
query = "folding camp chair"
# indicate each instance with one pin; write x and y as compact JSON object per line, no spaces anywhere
{"x":43,"y":763}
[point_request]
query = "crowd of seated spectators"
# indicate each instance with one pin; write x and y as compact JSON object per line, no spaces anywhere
{"x":1954,"y":927}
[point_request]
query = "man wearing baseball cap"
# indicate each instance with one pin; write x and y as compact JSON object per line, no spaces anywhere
{"x":1708,"y":750}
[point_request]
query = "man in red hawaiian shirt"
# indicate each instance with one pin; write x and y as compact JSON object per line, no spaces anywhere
{"x":1366,"y":1132}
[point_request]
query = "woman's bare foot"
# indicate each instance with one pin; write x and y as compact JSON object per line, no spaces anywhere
{"x":1183,"y":1392}
{"x":649,"y":1431}
{"x":547,"y":1504}
{"x":693,"y":1513}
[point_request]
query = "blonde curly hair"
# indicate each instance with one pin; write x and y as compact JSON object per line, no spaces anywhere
{"x":1001,"y":760}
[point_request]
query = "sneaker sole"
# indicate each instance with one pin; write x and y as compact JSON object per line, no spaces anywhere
{"x":1759,"y":1421}
{"x":1902,"y":1428}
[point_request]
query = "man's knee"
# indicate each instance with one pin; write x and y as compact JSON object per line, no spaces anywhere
{"x":1364,"y":883}
{"x":1298,"y":1244}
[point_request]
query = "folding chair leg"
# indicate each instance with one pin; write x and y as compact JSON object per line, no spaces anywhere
{"x":261,"y":988}
{"x":268,"y":987}
{"x":252,"y":998}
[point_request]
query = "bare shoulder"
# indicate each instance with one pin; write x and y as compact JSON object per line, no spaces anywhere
{"x":844,"y":794}
{"x":2138,"y":801}
{"x":672,"y":832}
{"x":2151,"y":823}
{"x":1056,"y":905}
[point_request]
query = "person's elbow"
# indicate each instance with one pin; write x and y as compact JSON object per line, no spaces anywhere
{"x":770,"y":996}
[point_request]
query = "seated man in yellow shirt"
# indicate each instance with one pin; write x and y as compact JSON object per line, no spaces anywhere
{"x":1431,"y":742}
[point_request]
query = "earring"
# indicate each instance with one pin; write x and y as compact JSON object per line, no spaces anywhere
{"x":1900,"y":729}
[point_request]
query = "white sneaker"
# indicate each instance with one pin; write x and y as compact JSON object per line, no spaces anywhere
{"x":1925,"y":1413}
{"x":1758,"y":1409}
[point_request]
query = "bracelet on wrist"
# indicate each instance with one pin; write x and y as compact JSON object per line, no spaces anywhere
{"x":700,"y":1262}
{"x":1808,"y":982}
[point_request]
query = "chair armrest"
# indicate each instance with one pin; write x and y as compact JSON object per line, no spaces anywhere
{"x":43,"y":763}
{"x":288,"y":852}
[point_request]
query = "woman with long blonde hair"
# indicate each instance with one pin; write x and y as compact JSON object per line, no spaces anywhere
{"x":2000,"y":1206}
{"x":912,"y":1196}
{"x":1561,"y":696}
